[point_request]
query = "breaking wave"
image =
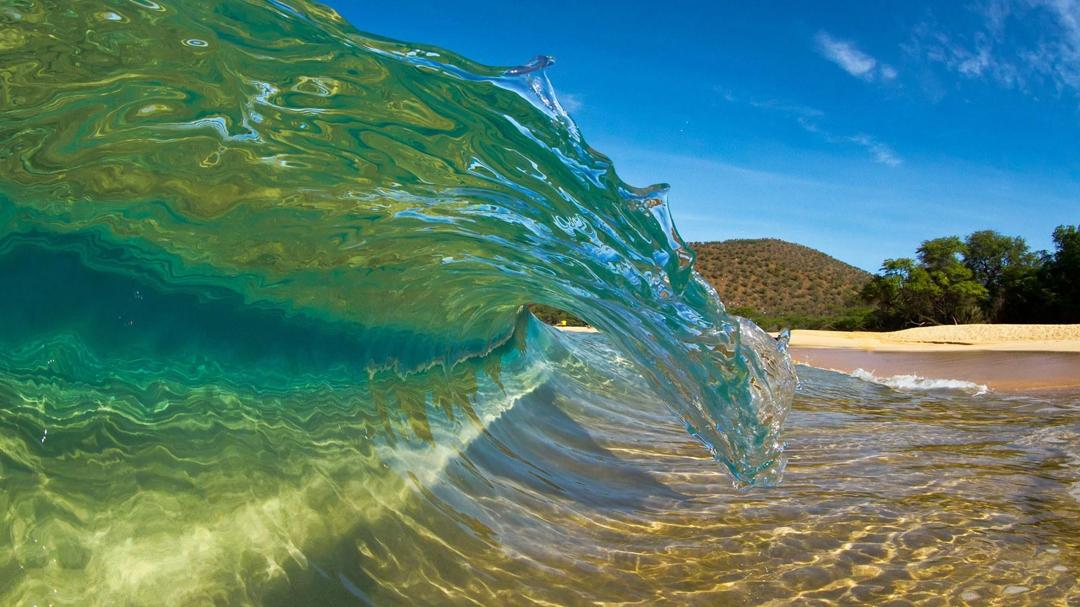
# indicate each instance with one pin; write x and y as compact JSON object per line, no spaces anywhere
{"x":916,"y":382}
{"x":262,"y":271}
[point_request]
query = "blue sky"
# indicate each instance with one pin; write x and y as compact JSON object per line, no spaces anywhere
{"x":857,"y":128}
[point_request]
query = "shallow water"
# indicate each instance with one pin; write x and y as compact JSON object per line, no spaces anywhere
{"x":917,"y":497}
{"x":927,"y":497}
{"x":891,"y":497}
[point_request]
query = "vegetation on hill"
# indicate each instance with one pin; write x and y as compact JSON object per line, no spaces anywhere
{"x":986,"y":277}
{"x":776,"y":284}
{"x":780,"y":284}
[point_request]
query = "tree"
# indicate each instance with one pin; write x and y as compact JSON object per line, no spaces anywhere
{"x":987,"y":276}
{"x":936,"y":289}
{"x":1060,"y":276}
{"x":941,"y":253}
{"x":884,"y":292}
{"x":950,"y":286}
{"x":1001,"y":264}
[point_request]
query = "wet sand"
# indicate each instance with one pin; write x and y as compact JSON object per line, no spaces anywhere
{"x":1007,"y":371}
{"x":1002,"y":357}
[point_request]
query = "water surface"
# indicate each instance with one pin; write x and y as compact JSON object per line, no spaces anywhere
{"x":1013,"y":371}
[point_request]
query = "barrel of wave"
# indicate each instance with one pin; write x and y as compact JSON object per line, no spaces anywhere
{"x":401,"y":188}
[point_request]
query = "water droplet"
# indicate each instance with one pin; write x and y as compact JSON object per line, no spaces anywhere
{"x":196,"y":43}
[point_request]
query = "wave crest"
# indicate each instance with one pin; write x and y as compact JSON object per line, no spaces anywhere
{"x":404,"y":191}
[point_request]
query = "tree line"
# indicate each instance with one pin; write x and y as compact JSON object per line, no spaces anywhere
{"x":986,"y":277}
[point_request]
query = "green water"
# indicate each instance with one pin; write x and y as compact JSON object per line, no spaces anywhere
{"x":263,"y":341}
{"x":264,"y":281}
{"x":410,"y":197}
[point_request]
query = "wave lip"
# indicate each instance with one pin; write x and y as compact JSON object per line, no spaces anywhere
{"x":401,"y":190}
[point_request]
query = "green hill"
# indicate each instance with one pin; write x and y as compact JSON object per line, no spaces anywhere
{"x":778,"y":283}
{"x":775,"y":283}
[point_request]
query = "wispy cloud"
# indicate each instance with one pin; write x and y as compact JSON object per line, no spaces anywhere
{"x":880,"y":152}
{"x":771,"y":104}
{"x":571,"y":102}
{"x":1026,"y":45}
{"x":852,"y":60}
{"x":810,"y":120}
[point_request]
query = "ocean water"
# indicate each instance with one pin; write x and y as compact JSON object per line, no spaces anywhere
{"x":263,"y":341}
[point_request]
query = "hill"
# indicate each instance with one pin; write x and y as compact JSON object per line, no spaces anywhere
{"x":778,"y":283}
{"x":775,"y":283}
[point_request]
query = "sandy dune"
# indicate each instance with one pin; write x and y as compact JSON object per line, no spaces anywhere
{"x":1029,"y":338}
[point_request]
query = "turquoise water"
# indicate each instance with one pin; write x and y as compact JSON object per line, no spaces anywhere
{"x":264,"y":276}
{"x":263,"y":341}
{"x":350,"y":205}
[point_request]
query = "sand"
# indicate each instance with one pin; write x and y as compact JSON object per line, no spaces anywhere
{"x":1003,"y":357}
{"x":946,"y":338}
{"x":576,"y":329}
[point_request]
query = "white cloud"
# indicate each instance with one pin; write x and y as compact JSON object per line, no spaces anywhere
{"x":1018,"y":44}
{"x":852,"y":60}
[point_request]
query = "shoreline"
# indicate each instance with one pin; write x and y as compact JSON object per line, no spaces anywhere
{"x":999,"y":370}
{"x":944,"y":338}
{"x":1007,"y":358}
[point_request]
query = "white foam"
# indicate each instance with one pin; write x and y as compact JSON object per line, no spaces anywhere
{"x":916,"y":382}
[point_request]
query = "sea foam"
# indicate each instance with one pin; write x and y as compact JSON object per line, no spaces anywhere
{"x":917,"y":382}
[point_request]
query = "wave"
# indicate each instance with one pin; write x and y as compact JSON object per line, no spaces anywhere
{"x":263,"y":271}
{"x":272,"y":151}
{"x":916,"y":382}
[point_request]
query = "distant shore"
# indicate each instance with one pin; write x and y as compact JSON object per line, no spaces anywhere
{"x":946,"y":338}
{"x":1003,"y":357}
{"x":576,"y":329}
{"x":1011,"y":358}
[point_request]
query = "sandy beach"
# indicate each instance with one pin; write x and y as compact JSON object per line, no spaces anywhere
{"x":1001,"y":357}
{"x":1027,"y":338}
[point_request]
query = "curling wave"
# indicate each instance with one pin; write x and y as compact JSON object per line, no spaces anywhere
{"x":242,"y":237}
